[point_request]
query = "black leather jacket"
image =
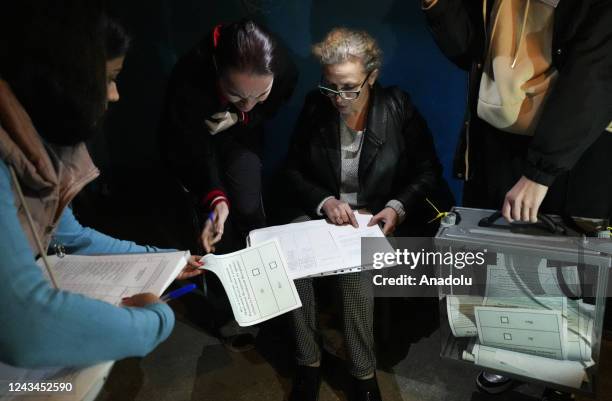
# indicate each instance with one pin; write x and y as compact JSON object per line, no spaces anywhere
{"x":398,"y":159}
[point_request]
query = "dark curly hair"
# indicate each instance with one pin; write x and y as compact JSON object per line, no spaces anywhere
{"x":53,"y":57}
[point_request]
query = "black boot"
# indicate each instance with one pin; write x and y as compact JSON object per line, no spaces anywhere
{"x":306,"y":384}
{"x":366,"y":390}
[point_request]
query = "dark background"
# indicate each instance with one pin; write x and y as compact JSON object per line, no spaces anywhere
{"x":134,"y":183}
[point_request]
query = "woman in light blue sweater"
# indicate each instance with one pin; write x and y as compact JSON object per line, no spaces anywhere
{"x":52,"y":96}
{"x":42,"y":326}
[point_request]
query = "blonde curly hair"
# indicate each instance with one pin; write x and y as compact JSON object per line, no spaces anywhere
{"x":343,"y":44}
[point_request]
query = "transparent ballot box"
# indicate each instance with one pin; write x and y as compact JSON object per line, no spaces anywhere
{"x":528,"y":300}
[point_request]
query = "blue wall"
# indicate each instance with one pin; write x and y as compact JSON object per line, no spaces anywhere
{"x":165,"y":29}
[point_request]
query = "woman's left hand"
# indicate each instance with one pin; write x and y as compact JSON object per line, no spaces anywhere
{"x":389,"y":217}
{"x":192,"y":268}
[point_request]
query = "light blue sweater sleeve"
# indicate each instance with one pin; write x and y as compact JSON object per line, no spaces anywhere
{"x":42,"y":326}
{"x":86,"y":241}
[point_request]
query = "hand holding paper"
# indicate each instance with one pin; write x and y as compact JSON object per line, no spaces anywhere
{"x":192,"y":268}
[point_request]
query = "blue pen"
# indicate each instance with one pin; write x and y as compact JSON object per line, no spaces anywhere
{"x":177,"y":293}
{"x":211,"y":217}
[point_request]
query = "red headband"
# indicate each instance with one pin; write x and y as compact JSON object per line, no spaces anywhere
{"x":216,"y":35}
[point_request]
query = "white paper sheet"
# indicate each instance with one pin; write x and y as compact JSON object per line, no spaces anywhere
{"x":317,"y":247}
{"x":461,"y":317}
{"x":566,"y":373}
{"x":531,"y":331}
{"x":108,"y":278}
{"x":547,"y":324}
{"x":580,"y":320}
{"x":514,"y":282}
{"x":526,"y":281}
{"x":256,"y":281}
{"x":111,"y":277}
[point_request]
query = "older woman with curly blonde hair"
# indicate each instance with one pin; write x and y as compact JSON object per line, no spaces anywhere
{"x":357,"y":145}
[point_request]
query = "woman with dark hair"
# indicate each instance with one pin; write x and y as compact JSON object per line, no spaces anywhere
{"x":117,"y":43}
{"x":52,"y":98}
{"x":218,"y":96}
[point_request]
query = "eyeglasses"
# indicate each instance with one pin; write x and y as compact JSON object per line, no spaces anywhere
{"x":346,"y":95}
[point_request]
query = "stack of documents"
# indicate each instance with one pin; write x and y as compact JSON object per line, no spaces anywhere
{"x":546,"y":336}
{"x":112,"y":277}
{"x":316,"y":247}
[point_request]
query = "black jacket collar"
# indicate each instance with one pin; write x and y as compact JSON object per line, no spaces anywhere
{"x":375,"y":135}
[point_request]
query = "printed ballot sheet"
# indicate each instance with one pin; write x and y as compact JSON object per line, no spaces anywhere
{"x":111,"y":277}
{"x":317,"y":247}
{"x":531,"y":331}
{"x":524,"y":309}
{"x":461,"y":314}
{"x":256,"y":281}
{"x":528,"y":280}
{"x":566,"y":373}
{"x":524,"y":282}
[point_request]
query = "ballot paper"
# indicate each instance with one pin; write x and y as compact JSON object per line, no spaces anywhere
{"x":83,"y":384}
{"x":580,"y":320}
{"x":528,"y":281}
{"x":565,"y":373}
{"x":461,"y":317}
{"x":316,"y":247}
{"x":531,"y":331}
{"x":256,"y":281}
{"x":112,"y":277}
{"x":525,"y":323}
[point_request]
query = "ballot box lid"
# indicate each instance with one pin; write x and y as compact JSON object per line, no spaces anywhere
{"x":517,"y":306}
{"x":465,"y":227}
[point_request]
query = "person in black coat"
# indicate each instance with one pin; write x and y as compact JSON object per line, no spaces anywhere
{"x":211,"y":132}
{"x":537,"y":135}
{"x":559,"y":162}
{"x":357,"y":145}
{"x":218,"y":96}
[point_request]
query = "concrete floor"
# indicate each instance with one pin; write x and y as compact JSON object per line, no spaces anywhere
{"x":193,"y":365}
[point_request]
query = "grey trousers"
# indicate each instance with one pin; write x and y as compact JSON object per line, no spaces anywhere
{"x":356,"y":293}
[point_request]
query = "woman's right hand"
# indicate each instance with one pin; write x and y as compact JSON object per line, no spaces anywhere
{"x":213,"y":229}
{"x":339,"y":212}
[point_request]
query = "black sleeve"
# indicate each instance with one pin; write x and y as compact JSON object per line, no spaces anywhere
{"x":187,"y":144}
{"x":457,"y":29}
{"x":579,"y":108}
{"x":298,"y":167}
{"x":425,"y":169}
